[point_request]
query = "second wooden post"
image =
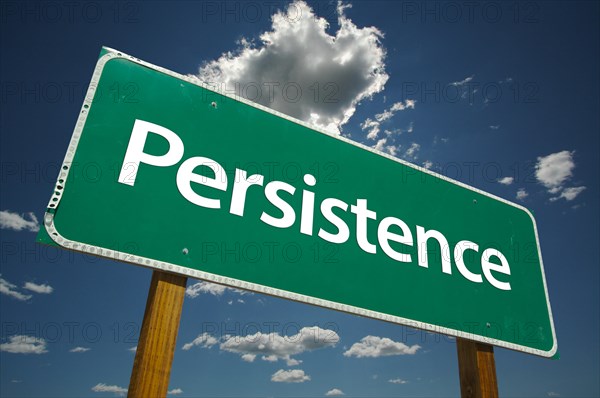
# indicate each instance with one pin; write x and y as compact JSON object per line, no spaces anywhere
{"x":477,"y":369}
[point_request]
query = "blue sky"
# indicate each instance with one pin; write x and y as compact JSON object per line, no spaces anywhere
{"x":503,"y":96}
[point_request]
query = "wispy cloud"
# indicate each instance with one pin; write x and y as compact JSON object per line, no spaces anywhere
{"x":381,"y":146}
{"x":394,"y":150}
{"x":10,"y":290}
{"x":214,"y":289}
{"x":391,"y":111}
{"x":373,"y":127}
{"x":199,"y":288}
{"x":569,"y":193}
{"x":412,"y":151}
{"x":101,"y":387}
{"x":21,"y":344}
{"x":495,"y":127}
{"x":290,"y":376}
{"x":397,"y":381}
{"x":437,"y":140}
{"x":18,"y":222}
{"x":321,"y":82}
{"x":204,"y":340}
{"x":40,"y":289}
{"x":463,"y":81}
{"x":79,"y":349}
{"x":374,"y":347}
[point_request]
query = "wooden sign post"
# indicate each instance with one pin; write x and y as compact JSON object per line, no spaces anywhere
{"x":477,"y":369}
{"x":156,"y":347}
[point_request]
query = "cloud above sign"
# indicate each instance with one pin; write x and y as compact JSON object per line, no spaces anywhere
{"x":301,"y":70}
{"x":554,"y":171}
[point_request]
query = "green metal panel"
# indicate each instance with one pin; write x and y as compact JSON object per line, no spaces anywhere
{"x":152,"y":224}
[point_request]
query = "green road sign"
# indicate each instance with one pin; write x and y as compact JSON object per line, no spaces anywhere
{"x":164,"y":172}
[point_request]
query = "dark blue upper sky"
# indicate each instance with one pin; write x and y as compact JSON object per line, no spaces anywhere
{"x":496,"y":85}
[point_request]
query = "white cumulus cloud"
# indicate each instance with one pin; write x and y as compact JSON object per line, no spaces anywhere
{"x":10,"y":290}
{"x":101,"y":387}
{"x":300,"y":69}
{"x":21,"y":344}
{"x":175,"y":391}
{"x":506,"y":180}
{"x":397,"y":381}
{"x":374,"y":347}
{"x":292,"y":362}
{"x":248,"y":357}
{"x":41,"y":289}
{"x":335,"y":392}
{"x":554,"y":170}
{"x":272,"y":347}
{"x":17,"y":222}
{"x":290,"y":376}
{"x":522,"y":194}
